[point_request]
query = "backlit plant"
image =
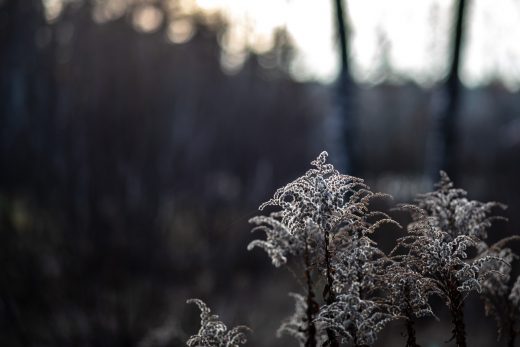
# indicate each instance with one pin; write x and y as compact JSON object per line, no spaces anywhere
{"x":321,"y":223}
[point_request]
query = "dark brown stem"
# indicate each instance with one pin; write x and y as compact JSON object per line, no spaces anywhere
{"x":312,"y":306}
{"x":356,"y":343}
{"x":512,"y":331}
{"x":410,"y":328}
{"x":328,"y":294}
{"x":457,"y":315}
{"x":512,"y":337}
{"x":410,"y":333}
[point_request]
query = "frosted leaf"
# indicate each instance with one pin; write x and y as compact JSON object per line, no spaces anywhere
{"x":446,"y":243}
{"x":213,"y":332}
{"x":454,"y":213}
{"x":323,"y":217}
{"x":356,"y":320}
{"x":279,"y":243}
{"x":499,"y":272}
{"x":409,"y":291}
{"x":435,"y":254}
{"x":321,"y":196}
{"x":297,"y":324}
{"x":358,"y":267}
{"x":514,"y":297}
{"x":356,"y":260}
{"x":313,"y":208}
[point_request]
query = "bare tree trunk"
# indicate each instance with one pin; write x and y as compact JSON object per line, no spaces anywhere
{"x":345,"y":109}
{"x":445,"y":141}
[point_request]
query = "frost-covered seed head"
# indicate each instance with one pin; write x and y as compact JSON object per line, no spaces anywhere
{"x":213,"y":332}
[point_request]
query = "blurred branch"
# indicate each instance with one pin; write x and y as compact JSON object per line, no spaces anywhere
{"x":344,"y":96}
{"x":447,"y":138}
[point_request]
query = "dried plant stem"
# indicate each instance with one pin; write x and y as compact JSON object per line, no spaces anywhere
{"x":511,"y":325}
{"x":410,"y":333}
{"x":457,"y":315}
{"x":312,"y":306}
{"x":328,"y":295}
{"x":512,"y":336}
{"x":410,"y":328}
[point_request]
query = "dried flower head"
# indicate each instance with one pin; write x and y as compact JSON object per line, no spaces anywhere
{"x":213,"y":332}
{"x":446,"y":243}
{"x":443,"y":257}
{"x":322,"y":196}
{"x":496,"y":284}
{"x":356,"y":320}
{"x":356,"y":261}
{"x":454,"y":213}
{"x":323,"y":217}
{"x":359,"y":268}
{"x":408,"y":290}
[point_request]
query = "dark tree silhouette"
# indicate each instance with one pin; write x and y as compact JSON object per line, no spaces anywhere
{"x":347,"y":140}
{"x":444,"y":156}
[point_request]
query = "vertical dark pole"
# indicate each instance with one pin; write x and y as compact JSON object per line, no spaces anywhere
{"x":449,"y":114}
{"x":344,"y":95}
{"x":342,"y":33}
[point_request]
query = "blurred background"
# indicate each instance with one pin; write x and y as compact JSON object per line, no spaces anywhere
{"x":137,"y":137}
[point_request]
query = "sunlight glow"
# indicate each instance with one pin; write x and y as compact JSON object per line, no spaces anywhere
{"x":180,"y":30}
{"x":147,"y":18}
{"x":109,"y":10}
{"x":398,"y":41}
{"x":52,"y":9}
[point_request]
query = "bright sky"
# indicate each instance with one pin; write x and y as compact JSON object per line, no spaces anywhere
{"x":410,"y":36}
{"x":397,"y":40}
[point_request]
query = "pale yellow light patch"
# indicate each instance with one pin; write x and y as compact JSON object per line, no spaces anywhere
{"x":180,"y":30}
{"x":53,"y":9}
{"x":147,"y":18}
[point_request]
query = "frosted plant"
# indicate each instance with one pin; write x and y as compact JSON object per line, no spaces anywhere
{"x":311,"y":211}
{"x":446,"y":227}
{"x":213,"y":332}
{"x":495,"y":288}
{"x":356,"y":313}
{"x":436,"y":255}
{"x":408,"y":293}
{"x":356,"y":320}
{"x":499,"y":273}
{"x":497,"y":294}
{"x":298,"y":325}
{"x":514,"y":312}
{"x":514,"y":297}
{"x":356,"y":261}
{"x":281,"y":243}
{"x":409,"y":290}
{"x":454,"y":213}
{"x":321,"y":195}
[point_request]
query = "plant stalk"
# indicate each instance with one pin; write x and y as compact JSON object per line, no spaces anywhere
{"x":457,"y":315}
{"x":311,"y":303}
{"x":328,"y":294}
